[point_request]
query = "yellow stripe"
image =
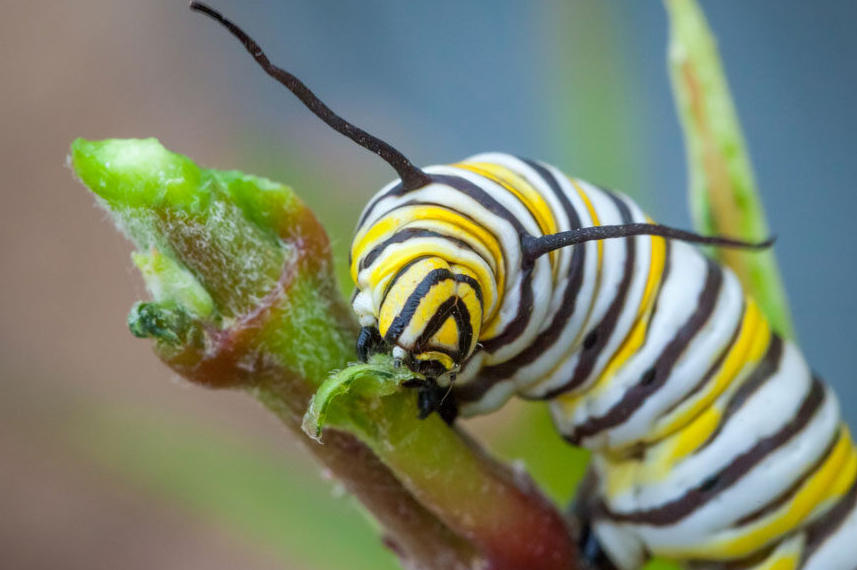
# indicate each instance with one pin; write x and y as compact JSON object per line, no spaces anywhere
{"x":385,"y":227}
{"x":748,"y":349}
{"x":695,"y":434}
{"x":467,"y":294}
{"x":785,"y":562}
{"x":444,"y":359}
{"x":449,"y":229}
{"x":785,"y":557}
{"x":592,"y":214}
{"x":529,"y":197}
{"x":447,"y":336}
{"x":752,"y":537}
{"x":846,"y":478}
{"x":523,"y":190}
{"x":634,"y":339}
{"x":399,"y":293}
{"x":621,"y":476}
{"x":405,"y":252}
{"x":429,"y":304}
{"x":660,"y":458}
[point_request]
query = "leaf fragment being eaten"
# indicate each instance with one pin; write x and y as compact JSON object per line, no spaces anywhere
{"x":357,"y":385}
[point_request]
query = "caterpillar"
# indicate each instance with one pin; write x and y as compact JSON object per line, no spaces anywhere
{"x":713,"y":442}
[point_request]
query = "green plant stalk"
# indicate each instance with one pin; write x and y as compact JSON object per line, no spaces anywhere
{"x":244,"y":297}
{"x":496,"y":508}
{"x":723,"y":194}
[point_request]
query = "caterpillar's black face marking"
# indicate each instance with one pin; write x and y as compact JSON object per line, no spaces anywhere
{"x":428,"y":368}
{"x":430,"y":315}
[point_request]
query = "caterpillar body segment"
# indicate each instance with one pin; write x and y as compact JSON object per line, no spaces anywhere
{"x":714,"y":444}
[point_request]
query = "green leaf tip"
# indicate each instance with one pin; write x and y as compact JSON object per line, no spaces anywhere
{"x":137,"y":173}
{"x":223,"y":238}
{"x":376,"y":379}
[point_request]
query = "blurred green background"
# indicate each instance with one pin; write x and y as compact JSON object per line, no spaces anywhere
{"x":107,"y":461}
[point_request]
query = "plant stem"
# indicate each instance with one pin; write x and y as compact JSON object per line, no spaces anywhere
{"x":723,"y":194}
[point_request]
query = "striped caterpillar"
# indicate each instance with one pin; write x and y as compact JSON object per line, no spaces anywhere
{"x":713,"y":443}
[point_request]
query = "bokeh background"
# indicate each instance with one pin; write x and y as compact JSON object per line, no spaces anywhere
{"x":107,"y":461}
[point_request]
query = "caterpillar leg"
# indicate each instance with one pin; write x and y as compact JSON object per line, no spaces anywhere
{"x":592,"y":549}
{"x":368,"y":343}
{"x":433,"y":398}
{"x":594,"y":557}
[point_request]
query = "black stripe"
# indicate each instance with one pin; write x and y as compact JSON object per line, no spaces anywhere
{"x":396,"y":190}
{"x":676,"y":510}
{"x":435,"y":322}
{"x":478,"y":194}
{"x":459,"y":183}
{"x":767,"y":367}
{"x":507,"y":186}
{"x":750,"y":562}
{"x":654,"y":378}
{"x":474,"y":284}
{"x":457,"y":310}
{"x":517,"y":325}
{"x":489,"y":376}
{"x":466,"y":187}
{"x":401,"y":272}
{"x":465,"y":330}
{"x":400,"y":322}
{"x":569,"y":300}
{"x":715,"y":366}
{"x":404,"y":235}
{"x":597,"y":338}
{"x":789,"y":493}
{"x":426,"y":203}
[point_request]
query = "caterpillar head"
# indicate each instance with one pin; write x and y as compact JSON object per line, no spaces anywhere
{"x":430,"y":313}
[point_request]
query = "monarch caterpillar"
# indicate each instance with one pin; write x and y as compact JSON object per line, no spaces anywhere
{"x":713,"y":443}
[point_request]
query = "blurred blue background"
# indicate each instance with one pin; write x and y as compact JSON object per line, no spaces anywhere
{"x":104,"y":462}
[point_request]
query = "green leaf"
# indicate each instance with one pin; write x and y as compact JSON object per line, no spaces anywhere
{"x":358,"y":382}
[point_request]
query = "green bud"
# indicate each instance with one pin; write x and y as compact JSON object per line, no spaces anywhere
{"x":213,"y":231}
{"x":164,"y":323}
{"x":168,"y":280}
